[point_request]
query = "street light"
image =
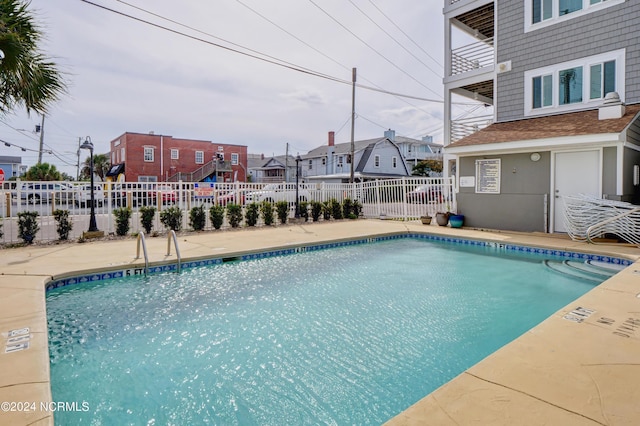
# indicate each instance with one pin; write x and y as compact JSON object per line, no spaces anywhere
{"x":298,"y":159}
{"x":92,"y":219}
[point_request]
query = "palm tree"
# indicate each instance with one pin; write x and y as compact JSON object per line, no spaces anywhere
{"x":27,"y":77}
{"x":101,"y":166}
{"x":43,"y":171}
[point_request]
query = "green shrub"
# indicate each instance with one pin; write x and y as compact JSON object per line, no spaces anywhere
{"x":171,"y":218}
{"x":357,"y":208}
{"x":197,"y":218}
{"x":316,"y":210}
{"x":147,"y":214}
{"x":234,"y":214}
{"x":252,"y":214}
{"x":282,"y":207}
{"x":28,"y":226}
{"x":304,"y":210}
{"x":122,"y":215}
{"x":335,"y":208}
{"x":64,"y":225}
{"x":216,"y":214}
{"x":347,"y":207}
{"x":326,"y":210}
{"x":266,"y":209}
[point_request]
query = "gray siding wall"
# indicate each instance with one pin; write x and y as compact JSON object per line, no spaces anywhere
{"x":521,"y":203}
{"x":609,"y":172}
{"x":612,"y":28}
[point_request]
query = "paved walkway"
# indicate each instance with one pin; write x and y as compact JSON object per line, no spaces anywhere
{"x":560,"y":372}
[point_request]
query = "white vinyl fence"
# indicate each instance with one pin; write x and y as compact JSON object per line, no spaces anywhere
{"x":391,"y":199}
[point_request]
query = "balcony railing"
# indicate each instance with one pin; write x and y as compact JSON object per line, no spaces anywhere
{"x":472,"y":56}
{"x":201,"y":173}
{"x":468,"y":126}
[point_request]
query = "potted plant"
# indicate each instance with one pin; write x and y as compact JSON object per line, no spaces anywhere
{"x":442,"y":218}
{"x":456,"y":220}
{"x":426,"y":219}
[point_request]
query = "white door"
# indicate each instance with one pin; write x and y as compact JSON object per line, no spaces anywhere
{"x":575,"y":173}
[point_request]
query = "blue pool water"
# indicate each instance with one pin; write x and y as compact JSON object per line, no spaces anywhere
{"x":352,"y":335}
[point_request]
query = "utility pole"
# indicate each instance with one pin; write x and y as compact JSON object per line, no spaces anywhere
{"x":353,"y":118}
{"x":41,"y":140}
{"x":78,"y":165}
{"x":286,"y":163}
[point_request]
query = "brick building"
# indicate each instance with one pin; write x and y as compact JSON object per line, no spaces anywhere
{"x":140,"y":157}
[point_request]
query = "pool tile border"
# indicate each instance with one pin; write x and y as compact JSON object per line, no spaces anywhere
{"x":315,"y":247}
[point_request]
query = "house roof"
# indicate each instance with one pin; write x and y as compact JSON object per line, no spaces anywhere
{"x":341,"y":148}
{"x":552,"y":126}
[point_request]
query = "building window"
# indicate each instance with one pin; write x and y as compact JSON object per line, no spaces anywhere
{"x":122,"y":155}
{"x":175,"y":154}
{"x":542,"y":13}
{"x":603,"y":79}
{"x":234,"y":159}
{"x":340,"y":160}
{"x":394,"y":162}
{"x":569,"y":6}
{"x":199,"y":157}
{"x":148,"y":154}
{"x":147,"y":178}
{"x":575,"y":84}
{"x":542,"y":91}
{"x":310,"y":164}
{"x":542,"y":10}
{"x":113,"y":158}
{"x":570,"y":90}
{"x":376,"y":161}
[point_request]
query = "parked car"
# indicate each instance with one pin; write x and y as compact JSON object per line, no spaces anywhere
{"x":236,"y":197}
{"x":39,"y":192}
{"x":424,"y":194}
{"x":82,"y":195}
{"x":167,"y":194}
{"x":278,"y":192}
{"x":65,"y":195}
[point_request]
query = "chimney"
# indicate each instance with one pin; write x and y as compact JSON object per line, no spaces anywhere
{"x":332,"y":138}
{"x":262,"y":156}
{"x":612,"y":107}
{"x":390,"y":134}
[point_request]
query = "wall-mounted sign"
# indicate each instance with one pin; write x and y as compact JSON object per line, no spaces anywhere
{"x":488,"y":176}
{"x":467,"y":181}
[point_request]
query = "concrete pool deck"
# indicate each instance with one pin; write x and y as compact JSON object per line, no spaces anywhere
{"x":559,"y":372}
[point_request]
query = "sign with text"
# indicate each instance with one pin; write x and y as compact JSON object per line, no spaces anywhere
{"x":488,"y":176}
{"x":203,"y":190}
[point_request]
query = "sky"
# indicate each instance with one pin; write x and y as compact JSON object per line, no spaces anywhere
{"x":125,"y":75}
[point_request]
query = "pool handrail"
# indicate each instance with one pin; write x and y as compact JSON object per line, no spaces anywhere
{"x":144,"y":250}
{"x":172,"y":235}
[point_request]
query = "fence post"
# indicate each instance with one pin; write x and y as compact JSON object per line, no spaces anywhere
{"x":377,"y":192}
{"x":404,"y":199}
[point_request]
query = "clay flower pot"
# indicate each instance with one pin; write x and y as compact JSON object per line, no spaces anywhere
{"x":442,"y":218}
{"x":426,"y":220}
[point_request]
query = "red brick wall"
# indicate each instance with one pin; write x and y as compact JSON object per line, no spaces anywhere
{"x":163,"y":166}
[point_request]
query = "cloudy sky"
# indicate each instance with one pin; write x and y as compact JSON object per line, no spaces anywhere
{"x":183,"y":75}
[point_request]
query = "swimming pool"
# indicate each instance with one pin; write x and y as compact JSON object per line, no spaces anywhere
{"x":351,"y":335}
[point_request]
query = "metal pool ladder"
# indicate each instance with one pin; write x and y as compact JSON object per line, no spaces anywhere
{"x":144,"y":250}
{"x":172,"y":236}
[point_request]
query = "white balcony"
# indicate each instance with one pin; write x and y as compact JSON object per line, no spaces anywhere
{"x":467,"y":126}
{"x":472,"y":57}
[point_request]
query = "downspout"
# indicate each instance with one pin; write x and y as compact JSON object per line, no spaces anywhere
{"x":162,"y":177}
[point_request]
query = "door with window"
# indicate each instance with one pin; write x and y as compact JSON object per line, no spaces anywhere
{"x":575,"y":173}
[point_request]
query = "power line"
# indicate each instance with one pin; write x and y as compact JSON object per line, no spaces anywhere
{"x":266,"y":58}
{"x":394,"y":39}
{"x":406,"y":35}
{"x":373,"y":49}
